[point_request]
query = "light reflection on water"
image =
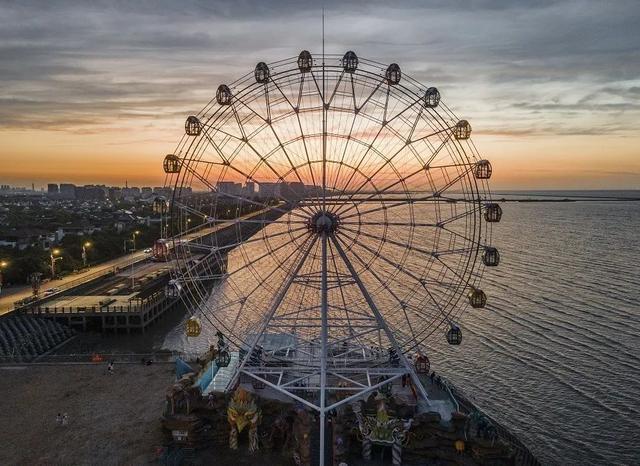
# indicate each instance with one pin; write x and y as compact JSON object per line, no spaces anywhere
{"x":555,"y":354}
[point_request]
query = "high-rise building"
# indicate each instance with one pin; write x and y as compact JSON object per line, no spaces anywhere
{"x":229,"y":187}
{"x":67,"y":191}
{"x":115,"y":193}
{"x":250,"y":189}
{"x":52,"y":189}
{"x":131,"y":193}
{"x":269,"y":189}
{"x":292,"y":191}
{"x":90,"y":193}
{"x":161,"y":191}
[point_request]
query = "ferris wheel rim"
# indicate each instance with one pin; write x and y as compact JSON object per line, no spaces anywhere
{"x":219,"y":113}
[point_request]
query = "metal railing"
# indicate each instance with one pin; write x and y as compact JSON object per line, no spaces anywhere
{"x":523,"y":456}
{"x":62,"y":287}
{"x":96,"y":357}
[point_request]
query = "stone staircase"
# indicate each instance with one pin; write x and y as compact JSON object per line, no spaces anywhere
{"x":223,"y":377}
{"x":25,"y":337}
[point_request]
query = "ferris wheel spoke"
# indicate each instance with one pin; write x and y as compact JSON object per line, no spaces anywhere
{"x":300,"y":89}
{"x":214,"y":248}
{"x":434,"y":196}
{"x":275,"y":269}
{"x":244,"y":297}
{"x":366,"y":101}
{"x":408,"y":224}
{"x":401,"y":268}
{"x":217,"y":149}
{"x":254,"y":261}
{"x":386,"y":287}
{"x":381,"y":321}
{"x":386,"y":103}
{"x":474,"y":241}
{"x":371,"y":145}
{"x":463,"y":214}
{"x":394,"y":264}
{"x":402,"y":180}
{"x":463,"y":279}
{"x":206,"y":128}
{"x":269,"y":222}
{"x":385,"y":239}
{"x":414,"y":125}
{"x":335,"y":89}
{"x":262,"y":157}
{"x":267,"y":100}
{"x":214,"y":190}
{"x":301,"y":258}
{"x":284,"y":96}
{"x":445,"y":316}
{"x":302,"y":136}
{"x":320,"y":91}
{"x":341,"y":287}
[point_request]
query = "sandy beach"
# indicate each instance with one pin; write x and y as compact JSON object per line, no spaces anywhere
{"x":113,"y":419}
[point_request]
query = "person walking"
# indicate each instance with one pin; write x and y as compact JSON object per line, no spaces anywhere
{"x":110,"y":368}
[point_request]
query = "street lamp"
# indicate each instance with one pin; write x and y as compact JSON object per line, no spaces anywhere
{"x":3,"y":265}
{"x":133,"y":243}
{"x":133,"y":238}
{"x":54,"y":259}
{"x":84,"y":252}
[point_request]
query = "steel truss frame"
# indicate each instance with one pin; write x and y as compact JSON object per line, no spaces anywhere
{"x":328,"y":355}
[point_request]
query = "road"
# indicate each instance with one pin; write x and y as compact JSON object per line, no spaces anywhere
{"x":11,"y":295}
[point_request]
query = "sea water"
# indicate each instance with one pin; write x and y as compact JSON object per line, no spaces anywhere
{"x":555,"y":354}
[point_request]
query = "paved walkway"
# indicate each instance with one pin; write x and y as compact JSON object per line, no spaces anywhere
{"x":10,"y":295}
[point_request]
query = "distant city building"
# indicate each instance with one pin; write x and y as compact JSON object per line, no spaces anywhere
{"x":250,"y":189}
{"x":146,"y":191}
{"x":67,"y":191}
{"x":269,"y":189}
{"x":90,"y":193}
{"x":52,"y":189}
{"x":229,"y":187}
{"x":292,"y":191}
{"x":161,"y":191}
{"x":115,"y":193}
{"x":131,"y":193}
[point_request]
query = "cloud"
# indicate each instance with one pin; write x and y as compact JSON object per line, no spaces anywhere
{"x":73,"y":65}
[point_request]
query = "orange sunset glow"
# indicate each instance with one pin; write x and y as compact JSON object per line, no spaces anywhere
{"x":105,"y":108}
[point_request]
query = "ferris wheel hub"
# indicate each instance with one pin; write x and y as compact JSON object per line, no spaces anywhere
{"x":324,"y":222}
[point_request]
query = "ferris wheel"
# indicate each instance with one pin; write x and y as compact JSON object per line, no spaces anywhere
{"x":330,"y":216}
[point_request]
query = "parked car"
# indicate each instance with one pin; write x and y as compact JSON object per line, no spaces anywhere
{"x":148,"y":251}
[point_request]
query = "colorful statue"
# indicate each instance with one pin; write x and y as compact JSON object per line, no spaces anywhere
{"x":302,"y":438}
{"x":243,"y":412}
{"x":280,"y":436}
{"x":382,"y":430}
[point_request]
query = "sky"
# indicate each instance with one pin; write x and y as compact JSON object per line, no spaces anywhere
{"x":97,"y":92}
